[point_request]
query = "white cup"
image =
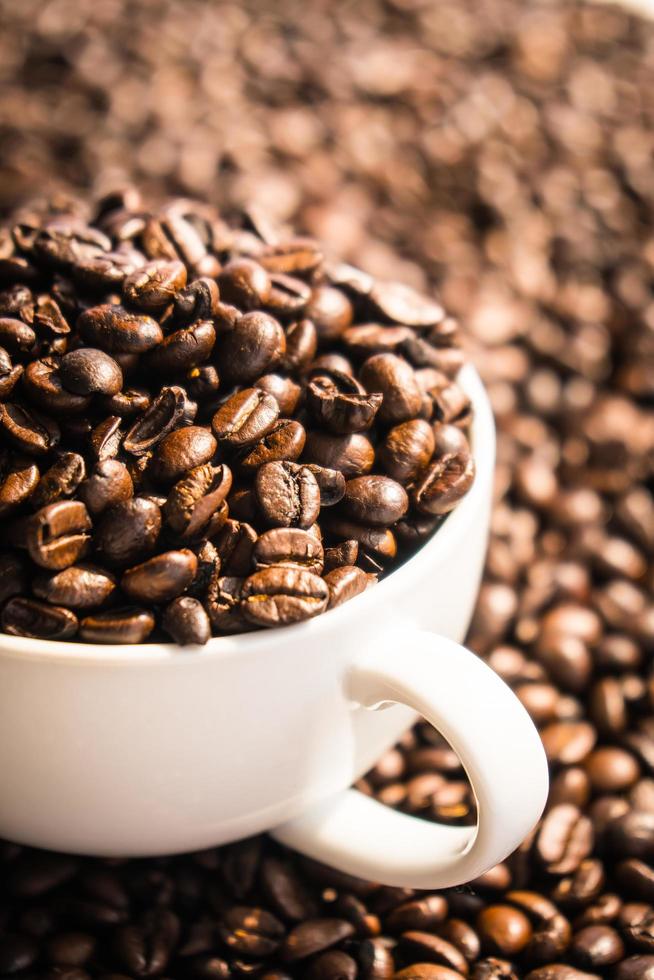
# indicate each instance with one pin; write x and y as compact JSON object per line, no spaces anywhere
{"x":135,"y":751}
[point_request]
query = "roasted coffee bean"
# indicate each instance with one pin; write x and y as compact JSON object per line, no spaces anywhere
{"x":223,"y":603}
{"x":197,"y":301}
{"x":127,"y":625}
{"x":27,"y":617}
{"x":61,"y":480}
{"x":116,"y":330}
{"x":284,"y":390}
{"x":423,"y":947}
{"x":12,"y":575}
{"x":395,"y":380}
{"x":244,"y":283}
{"x":345,"y":582}
{"x":375,"y":500}
{"x":81,"y":586}
{"x":375,"y":338}
{"x":313,"y":936}
{"x":491,"y":968}
{"x":287,"y":495}
{"x":331,"y":484}
{"x":126,"y":403}
{"x":171,"y":409}
{"x":43,"y":386}
{"x":161,"y":578}
{"x":635,"y":968}
{"x":145,"y":949}
{"x":106,"y":438}
{"x":186,"y":621}
{"x":154,"y":285}
{"x":427,"y":971}
{"x":285,"y":890}
{"x":254,"y":345}
{"x":109,"y":483}
{"x":245,"y":418}
{"x":88,"y":371}
{"x":194,"y":500}
{"x":379,"y":541}
{"x":285,"y":441}
{"x":338,"y":408}
{"x":10,"y":374}
{"x":288,"y":295}
{"x":397,"y":303}
{"x":182,"y":350}
{"x":70,"y":949}
{"x":234,"y":543}
{"x":446,"y":481}
{"x":330,"y":311}
{"x":565,"y":839}
{"x":597,"y":946}
{"x":407,"y":449}
{"x":19,"y":479}
{"x":57,"y":535}
{"x":128,"y":530}
{"x":181,"y":451}
{"x":560,"y":971}
{"x":290,"y":546}
{"x":503,"y":929}
{"x":277,"y":596}
{"x":27,"y":430}
{"x":353,"y":455}
{"x":301,"y":345}
{"x":421,"y":914}
{"x":15,"y":336}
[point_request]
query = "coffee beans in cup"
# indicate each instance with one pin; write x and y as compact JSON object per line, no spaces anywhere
{"x":208,"y":428}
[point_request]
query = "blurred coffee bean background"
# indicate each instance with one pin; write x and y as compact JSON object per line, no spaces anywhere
{"x":500,"y":154}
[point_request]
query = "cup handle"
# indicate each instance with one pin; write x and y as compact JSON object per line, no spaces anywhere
{"x":493,"y":736}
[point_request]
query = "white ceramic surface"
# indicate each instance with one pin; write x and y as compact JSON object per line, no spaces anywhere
{"x":151,"y":749}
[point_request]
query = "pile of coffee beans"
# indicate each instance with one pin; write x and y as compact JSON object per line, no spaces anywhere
{"x":208,"y":429}
{"x":501,"y":151}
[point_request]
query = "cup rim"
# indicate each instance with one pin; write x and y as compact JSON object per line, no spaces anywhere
{"x":483,"y":446}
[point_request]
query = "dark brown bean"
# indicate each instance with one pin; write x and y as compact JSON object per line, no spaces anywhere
{"x":128,"y":625}
{"x":285,"y":441}
{"x":345,"y":582}
{"x":61,"y":480}
{"x":109,"y":483}
{"x":401,"y":304}
{"x":503,"y":929}
{"x":254,"y":345}
{"x":27,"y":430}
{"x":353,"y":455}
{"x":245,"y":418}
{"x":277,"y":596}
{"x":182,"y":450}
{"x":287,"y":495}
{"x":27,"y":617}
{"x":395,"y":380}
{"x":186,"y":621}
{"x":565,"y":839}
{"x":154,"y":285}
{"x":128,"y":530}
{"x":196,"y":497}
{"x":446,"y":481}
{"x":182,"y":350}
{"x":161,"y":578}
{"x":19,"y":479}
{"x":375,"y":500}
{"x":244,"y":283}
{"x":288,"y":546}
{"x":88,"y":371}
{"x":78,"y":586}
{"x":313,"y":936}
{"x":116,"y":330}
{"x":407,"y":449}
{"x":57,"y":535}
{"x":169,"y":410}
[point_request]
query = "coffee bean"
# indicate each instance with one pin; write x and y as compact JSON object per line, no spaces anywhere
{"x":78,"y":586}
{"x":109,"y":483}
{"x":61,"y":480}
{"x":345,"y":582}
{"x":423,"y":947}
{"x":70,"y":949}
{"x":12,"y":576}
{"x":169,"y":410}
{"x":197,"y":301}
{"x":313,"y":936}
{"x":127,"y":625}
{"x":597,"y":946}
{"x":427,"y":971}
{"x":375,"y":500}
{"x":284,"y":390}
{"x":331,"y":484}
{"x":161,"y":578}
{"x":491,"y":968}
{"x":375,"y":338}
{"x":106,"y":438}
{"x":339,"y":406}
{"x":446,"y":481}
{"x":245,"y":418}
{"x":353,"y":455}
{"x":560,"y":971}
{"x":144,"y":949}
{"x":56,"y":536}
{"x":18,"y":481}
{"x":568,"y":742}
{"x":395,"y":380}
{"x":43,"y":385}
{"x":401,"y":304}
{"x":253,"y":346}
{"x":332,"y":965}
{"x":154,"y":285}
{"x":182,"y":350}
{"x":503,"y":929}
{"x":115,"y":330}
{"x":280,"y":595}
{"x":88,"y":371}
{"x":27,"y":430}
{"x":632,"y":834}
{"x":17,"y":337}
{"x":407,"y":450}
{"x":635,"y":968}
{"x":286,"y":891}
{"x":285,"y":441}
{"x":128,"y":530}
{"x":182,"y":450}
{"x":564,"y":840}
{"x":290,"y":546}
{"x":419,"y":914}
{"x":194,"y":500}
{"x":378,"y":541}
{"x":287,"y":495}
{"x":244,"y":283}
{"x":330,"y":311}
{"x":611,"y":769}
{"x":27,"y":617}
